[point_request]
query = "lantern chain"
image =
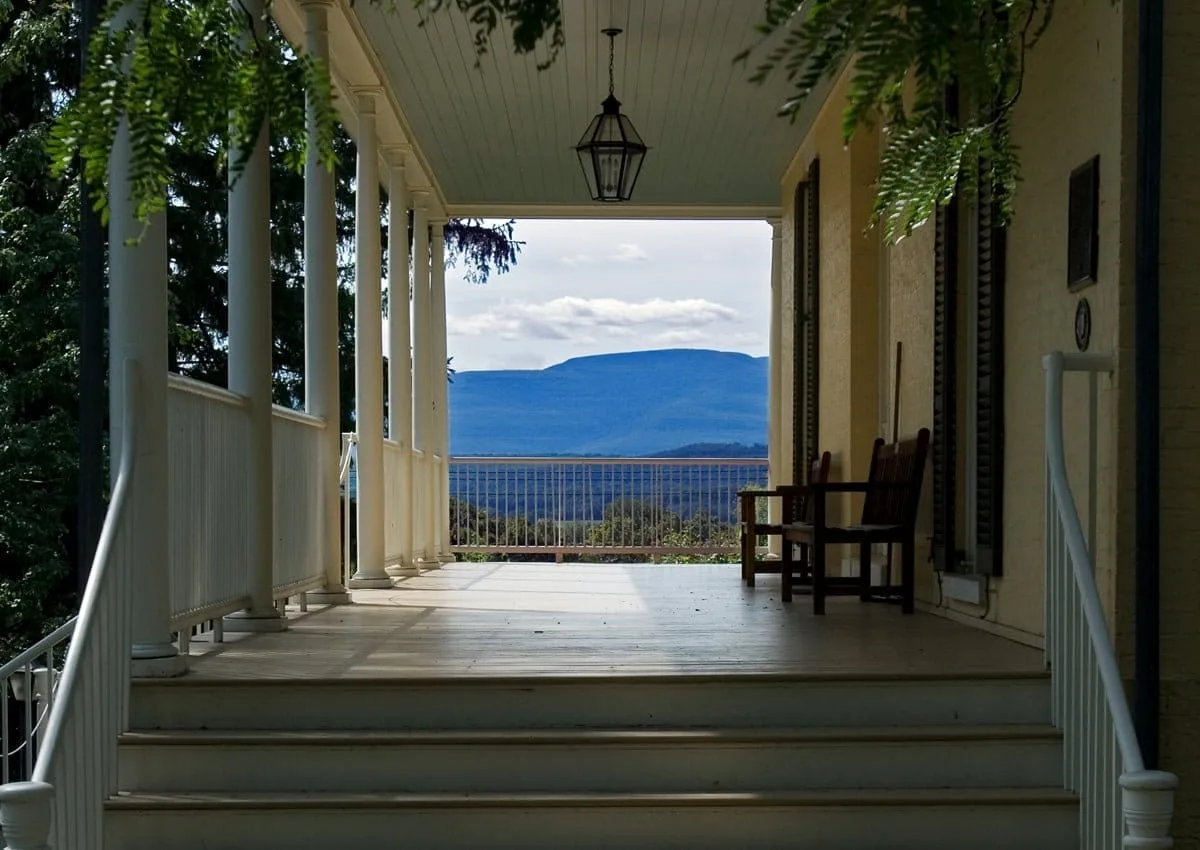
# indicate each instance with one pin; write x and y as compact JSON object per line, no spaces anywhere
{"x":612,"y":33}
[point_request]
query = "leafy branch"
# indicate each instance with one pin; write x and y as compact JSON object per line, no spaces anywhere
{"x":940,"y":78}
{"x":483,"y":248}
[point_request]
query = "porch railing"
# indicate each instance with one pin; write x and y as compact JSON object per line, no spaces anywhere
{"x":297,"y":442}
{"x":75,"y":769}
{"x":1120,"y":801}
{"x":31,"y":678}
{"x":210,"y":538}
{"x":598,"y":506}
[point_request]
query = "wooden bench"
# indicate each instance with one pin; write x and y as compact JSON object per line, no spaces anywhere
{"x":892,"y":494}
{"x":796,"y":507}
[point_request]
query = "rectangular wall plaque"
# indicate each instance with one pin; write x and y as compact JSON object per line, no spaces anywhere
{"x":1083,"y":225}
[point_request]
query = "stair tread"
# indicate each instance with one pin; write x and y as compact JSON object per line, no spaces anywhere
{"x":141,"y":801}
{"x":528,"y":681}
{"x":585,"y":736}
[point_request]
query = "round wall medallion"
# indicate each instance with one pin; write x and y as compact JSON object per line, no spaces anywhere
{"x":1083,"y":324}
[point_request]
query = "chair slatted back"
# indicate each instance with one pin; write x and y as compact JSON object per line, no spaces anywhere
{"x":901,"y":467}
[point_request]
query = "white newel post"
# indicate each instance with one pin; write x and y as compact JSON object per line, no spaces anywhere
{"x":424,"y":546}
{"x":775,"y":383}
{"x":250,"y":348}
{"x":321,"y":394}
{"x":1148,"y":805}
{"x":400,"y":384}
{"x":26,"y":812}
{"x":137,"y":323}
{"x":368,"y":353}
{"x":440,"y":485}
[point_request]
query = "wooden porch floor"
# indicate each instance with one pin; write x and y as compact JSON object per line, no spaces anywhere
{"x":548,"y":619}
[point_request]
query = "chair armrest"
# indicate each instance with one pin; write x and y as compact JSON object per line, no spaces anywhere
{"x":858,"y":486}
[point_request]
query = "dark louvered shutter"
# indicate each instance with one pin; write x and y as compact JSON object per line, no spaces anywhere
{"x":812,"y":294}
{"x":799,"y":359}
{"x":989,"y":382}
{"x":945,"y":344}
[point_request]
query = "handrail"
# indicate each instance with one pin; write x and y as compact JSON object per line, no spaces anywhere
{"x":1081,"y":561}
{"x":101,"y":567}
{"x":35,"y":670}
{"x":27,"y":809}
{"x":349,"y":440}
{"x":40,"y":648}
{"x":1148,"y":796}
{"x":496,"y":460}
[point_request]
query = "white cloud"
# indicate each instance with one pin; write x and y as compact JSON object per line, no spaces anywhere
{"x":680,"y":337}
{"x":627,"y":252}
{"x":723,"y":263}
{"x":574,"y":318}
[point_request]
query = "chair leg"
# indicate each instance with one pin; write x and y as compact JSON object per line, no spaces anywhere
{"x":818,"y":584}
{"x":785,"y":571}
{"x":907,"y":576}
{"x":864,"y":572}
{"x":747,"y":564}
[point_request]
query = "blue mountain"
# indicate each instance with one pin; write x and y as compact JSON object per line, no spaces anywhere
{"x":631,"y":404}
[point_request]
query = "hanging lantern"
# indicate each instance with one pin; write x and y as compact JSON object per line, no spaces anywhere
{"x":611,"y":151}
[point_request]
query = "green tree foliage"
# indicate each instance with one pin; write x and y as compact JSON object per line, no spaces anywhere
{"x":39,"y":344}
{"x":625,"y":524}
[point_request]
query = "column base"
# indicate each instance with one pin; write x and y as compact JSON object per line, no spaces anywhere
{"x":370,"y":583}
{"x":446,"y":557}
{"x":401,"y":569}
{"x":161,"y":661}
{"x":335,"y":595}
{"x":425,"y":562}
{"x":250,"y":621}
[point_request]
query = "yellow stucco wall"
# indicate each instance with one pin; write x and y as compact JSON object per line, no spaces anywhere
{"x":1071,"y":110}
{"x":849,"y":271}
{"x":1078,"y":101}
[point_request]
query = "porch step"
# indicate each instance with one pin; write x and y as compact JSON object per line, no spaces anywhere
{"x":612,"y":760}
{"x":728,"y":701}
{"x":995,"y":819}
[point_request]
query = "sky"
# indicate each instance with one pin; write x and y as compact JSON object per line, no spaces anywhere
{"x":598,"y":287}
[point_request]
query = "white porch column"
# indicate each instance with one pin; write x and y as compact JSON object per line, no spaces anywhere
{"x":321,"y":393}
{"x":250,"y":346}
{"x":424,"y":546}
{"x":440,"y":484}
{"x":400,"y":383}
{"x":368,"y":352}
{"x":777,"y":474}
{"x":137,"y":325}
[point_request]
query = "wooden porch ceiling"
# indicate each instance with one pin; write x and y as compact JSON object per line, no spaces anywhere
{"x":568,"y":619}
{"x":497,"y":140}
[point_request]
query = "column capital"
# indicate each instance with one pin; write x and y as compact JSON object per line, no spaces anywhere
{"x":776,"y":223}
{"x":316,"y":4}
{"x":397,"y":155}
{"x":366,"y":96}
{"x":420,"y":199}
